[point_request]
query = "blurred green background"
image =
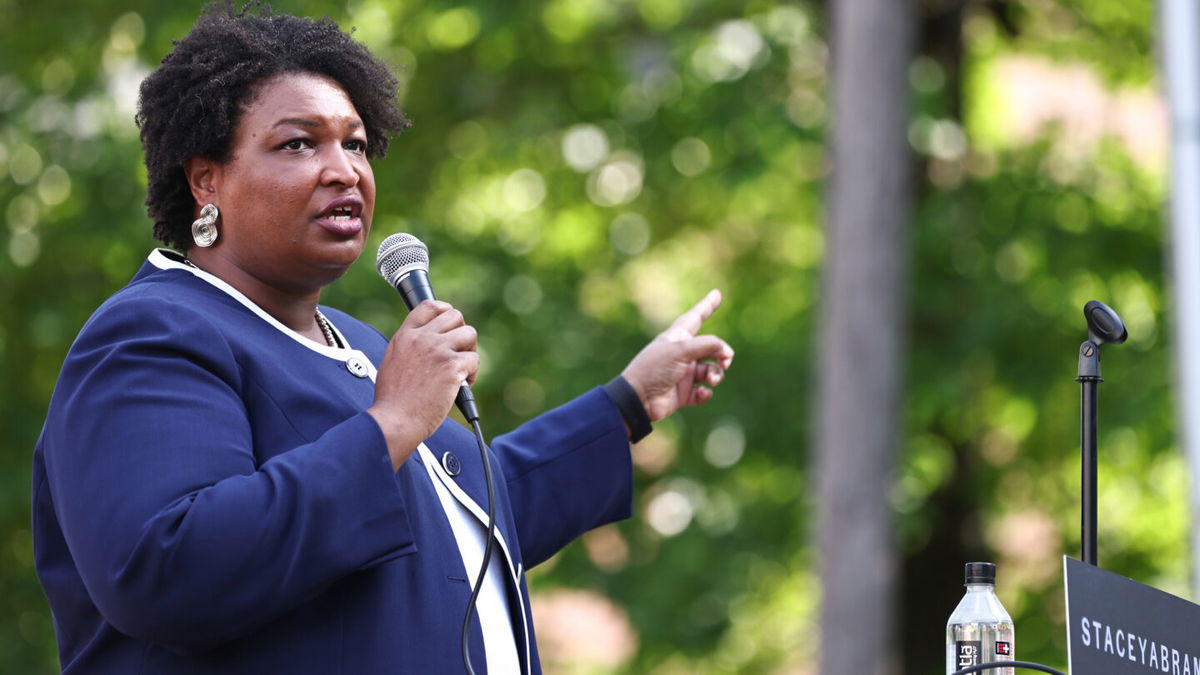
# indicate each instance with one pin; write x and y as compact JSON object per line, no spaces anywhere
{"x":582,"y":170}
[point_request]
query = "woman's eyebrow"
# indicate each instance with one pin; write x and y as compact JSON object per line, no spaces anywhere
{"x":302,"y":122}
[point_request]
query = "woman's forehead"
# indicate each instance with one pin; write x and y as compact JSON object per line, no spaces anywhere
{"x":300,"y":99}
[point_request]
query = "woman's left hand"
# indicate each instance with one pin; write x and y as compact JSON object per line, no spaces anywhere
{"x":679,"y":368}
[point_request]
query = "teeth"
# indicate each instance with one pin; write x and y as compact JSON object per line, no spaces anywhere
{"x":341,"y":213}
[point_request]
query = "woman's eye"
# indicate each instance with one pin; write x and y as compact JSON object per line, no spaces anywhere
{"x":356,"y":146}
{"x":296,"y":144}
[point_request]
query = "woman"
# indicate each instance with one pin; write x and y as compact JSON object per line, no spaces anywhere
{"x":232,"y":479}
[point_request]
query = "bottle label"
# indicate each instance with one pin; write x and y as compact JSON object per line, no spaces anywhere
{"x":966,"y":653}
{"x":1004,"y":651}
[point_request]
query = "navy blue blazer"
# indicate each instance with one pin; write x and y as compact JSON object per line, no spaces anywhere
{"x":209,"y":496}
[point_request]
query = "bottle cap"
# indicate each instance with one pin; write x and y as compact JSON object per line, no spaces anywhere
{"x":981,"y":573}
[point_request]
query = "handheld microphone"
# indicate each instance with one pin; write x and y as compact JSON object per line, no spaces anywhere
{"x":403,"y":261}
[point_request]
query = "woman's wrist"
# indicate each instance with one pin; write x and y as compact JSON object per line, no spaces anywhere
{"x":629,"y":404}
{"x":396,"y":435}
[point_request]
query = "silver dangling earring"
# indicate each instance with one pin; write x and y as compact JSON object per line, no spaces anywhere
{"x":204,"y":228}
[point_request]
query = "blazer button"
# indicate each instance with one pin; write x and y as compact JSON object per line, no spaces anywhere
{"x":451,"y":464}
{"x":356,"y":367}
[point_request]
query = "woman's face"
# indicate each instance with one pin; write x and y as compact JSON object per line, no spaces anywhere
{"x":297,"y":195}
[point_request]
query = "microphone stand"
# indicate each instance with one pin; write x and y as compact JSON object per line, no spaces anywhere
{"x":1089,"y":380}
{"x":1104,"y":326}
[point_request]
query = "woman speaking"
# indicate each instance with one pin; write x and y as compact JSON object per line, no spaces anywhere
{"x":233,"y":478}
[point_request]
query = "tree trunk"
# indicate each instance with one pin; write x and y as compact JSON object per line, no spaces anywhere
{"x":931,"y":575}
{"x":862,"y":328}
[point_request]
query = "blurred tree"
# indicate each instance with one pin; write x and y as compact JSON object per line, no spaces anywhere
{"x":863,"y":310}
{"x":1013,"y":236}
{"x":581,"y":171}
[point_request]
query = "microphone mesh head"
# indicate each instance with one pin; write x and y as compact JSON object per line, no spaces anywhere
{"x":401,"y":253}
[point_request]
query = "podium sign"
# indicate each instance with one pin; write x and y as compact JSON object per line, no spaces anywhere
{"x":1116,"y":625}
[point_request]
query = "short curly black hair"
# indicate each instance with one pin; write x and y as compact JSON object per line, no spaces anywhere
{"x":191,"y":103}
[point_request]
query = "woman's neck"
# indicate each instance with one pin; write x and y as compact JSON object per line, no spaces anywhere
{"x":294,"y":307}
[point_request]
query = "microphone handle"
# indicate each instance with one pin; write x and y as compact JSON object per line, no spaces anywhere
{"x":466,"y":403}
{"x":414,"y":288}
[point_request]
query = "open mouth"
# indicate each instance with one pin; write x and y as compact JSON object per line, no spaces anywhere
{"x":342,"y":213}
{"x":343,"y":216}
{"x":343,"y":209}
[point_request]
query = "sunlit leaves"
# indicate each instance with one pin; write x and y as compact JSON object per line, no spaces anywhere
{"x":583,"y":170}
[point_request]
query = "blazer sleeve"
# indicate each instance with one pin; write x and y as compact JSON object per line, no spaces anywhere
{"x":567,"y":471}
{"x":178,"y":535}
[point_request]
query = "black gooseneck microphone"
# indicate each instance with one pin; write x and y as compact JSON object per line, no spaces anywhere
{"x":403,"y":260}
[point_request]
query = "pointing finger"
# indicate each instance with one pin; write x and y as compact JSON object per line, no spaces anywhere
{"x":688,"y":323}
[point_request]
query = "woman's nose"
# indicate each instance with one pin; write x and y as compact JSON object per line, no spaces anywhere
{"x":338,"y":167}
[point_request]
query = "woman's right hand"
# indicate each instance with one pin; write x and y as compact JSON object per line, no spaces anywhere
{"x":427,"y":360}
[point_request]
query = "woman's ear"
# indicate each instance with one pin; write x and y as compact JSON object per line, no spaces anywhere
{"x":201,"y":175}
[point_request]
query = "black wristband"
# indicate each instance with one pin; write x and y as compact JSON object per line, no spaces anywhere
{"x":630,"y":406}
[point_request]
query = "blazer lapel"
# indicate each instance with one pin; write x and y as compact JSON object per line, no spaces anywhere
{"x":438,"y":472}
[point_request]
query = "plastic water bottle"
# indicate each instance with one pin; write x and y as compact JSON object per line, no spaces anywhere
{"x":979,"y":630}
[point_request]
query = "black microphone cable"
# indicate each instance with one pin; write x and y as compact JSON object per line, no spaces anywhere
{"x":403,"y":261}
{"x":995,"y":665}
{"x":487,"y":548}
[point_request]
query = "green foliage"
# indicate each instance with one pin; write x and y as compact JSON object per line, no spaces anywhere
{"x":1007,"y":262}
{"x":582,"y":171}
{"x":679,"y":171}
{"x":1112,"y":37}
{"x":1012,"y":237}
